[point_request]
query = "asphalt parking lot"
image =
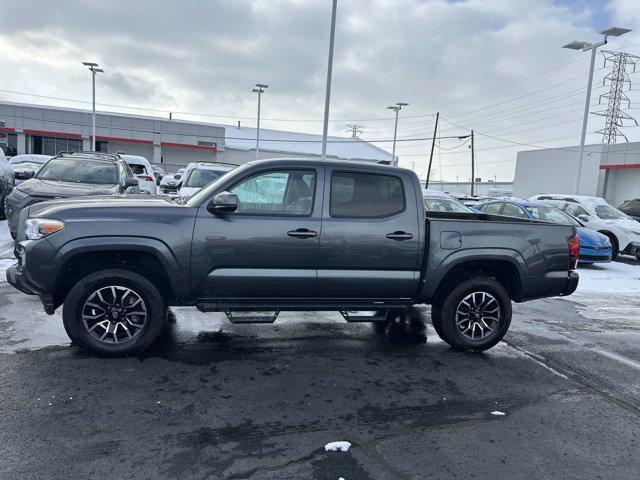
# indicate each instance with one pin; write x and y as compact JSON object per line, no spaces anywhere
{"x":220,"y":401}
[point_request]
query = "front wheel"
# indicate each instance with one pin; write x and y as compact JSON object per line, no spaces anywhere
{"x":474,"y":316}
{"x":114,"y":313}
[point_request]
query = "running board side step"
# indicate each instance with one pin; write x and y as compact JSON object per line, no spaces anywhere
{"x":354,"y":316}
{"x":251,"y":317}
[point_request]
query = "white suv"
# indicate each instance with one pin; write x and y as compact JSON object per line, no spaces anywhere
{"x":199,"y":174}
{"x":143,"y":172}
{"x":597,"y":214}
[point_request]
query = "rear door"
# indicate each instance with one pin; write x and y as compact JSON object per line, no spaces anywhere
{"x":370,"y":241}
{"x":268,"y":248}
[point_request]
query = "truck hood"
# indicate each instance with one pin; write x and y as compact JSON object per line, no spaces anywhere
{"x":51,"y":188}
{"x":94,"y":206}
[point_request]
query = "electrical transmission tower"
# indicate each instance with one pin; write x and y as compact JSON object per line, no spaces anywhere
{"x":619,"y":80}
{"x":355,"y":130}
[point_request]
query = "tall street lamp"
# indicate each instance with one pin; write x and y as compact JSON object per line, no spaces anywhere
{"x":94,"y":69}
{"x":586,"y":46}
{"x":397,"y":107}
{"x":259,"y":90}
{"x":327,"y":96}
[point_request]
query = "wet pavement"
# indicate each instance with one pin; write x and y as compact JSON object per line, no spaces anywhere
{"x":212,"y":400}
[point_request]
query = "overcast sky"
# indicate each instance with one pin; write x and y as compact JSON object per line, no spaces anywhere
{"x":492,"y":65}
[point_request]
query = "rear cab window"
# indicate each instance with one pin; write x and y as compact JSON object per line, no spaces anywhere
{"x":365,"y":195}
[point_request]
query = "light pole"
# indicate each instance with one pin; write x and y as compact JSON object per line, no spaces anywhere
{"x":259,"y":90}
{"x":327,"y":97}
{"x":586,"y":46}
{"x":94,"y":69}
{"x":397,"y":107}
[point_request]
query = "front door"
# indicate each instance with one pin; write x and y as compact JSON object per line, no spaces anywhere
{"x":370,"y":242}
{"x":268,"y":247}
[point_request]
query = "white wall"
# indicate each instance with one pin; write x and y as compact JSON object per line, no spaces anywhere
{"x":130,"y":148}
{"x":554,"y":171}
{"x":622,"y":184}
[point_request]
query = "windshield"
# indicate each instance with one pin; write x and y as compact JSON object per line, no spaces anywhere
{"x":607,"y":212}
{"x":198,"y":178}
{"x":27,"y":165}
{"x":446,"y":205}
{"x":79,"y":170}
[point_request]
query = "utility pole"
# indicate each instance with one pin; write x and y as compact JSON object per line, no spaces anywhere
{"x":94,"y":69}
{"x":396,"y":108}
{"x":259,"y":90}
{"x":433,"y":145}
{"x":585,"y":47}
{"x":473,"y":165}
{"x":355,"y":130}
{"x":327,"y":98}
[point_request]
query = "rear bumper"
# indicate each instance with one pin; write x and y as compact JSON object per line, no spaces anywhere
{"x":572,"y":284}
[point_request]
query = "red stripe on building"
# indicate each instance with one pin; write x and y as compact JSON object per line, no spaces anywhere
{"x":617,"y":167}
{"x":6,"y":129}
{"x":187,"y":145}
{"x":47,"y":133}
{"x":120,"y":139}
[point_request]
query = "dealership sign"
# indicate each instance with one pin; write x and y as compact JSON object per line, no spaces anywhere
{"x":203,"y":143}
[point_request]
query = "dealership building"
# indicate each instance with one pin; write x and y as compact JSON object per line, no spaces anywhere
{"x":608,"y":171}
{"x":26,"y":128}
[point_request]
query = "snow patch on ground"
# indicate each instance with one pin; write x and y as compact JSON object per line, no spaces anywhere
{"x":337,"y":446}
{"x":497,"y":413}
{"x":614,"y":277}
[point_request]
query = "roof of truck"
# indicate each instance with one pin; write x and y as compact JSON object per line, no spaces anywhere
{"x":336,"y":163}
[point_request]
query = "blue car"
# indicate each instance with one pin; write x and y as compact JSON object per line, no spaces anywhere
{"x":594,"y":246}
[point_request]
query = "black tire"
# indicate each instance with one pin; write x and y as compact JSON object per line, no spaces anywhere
{"x":152,"y":301}
{"x":436,"y":318}
{"x":445,"y":314}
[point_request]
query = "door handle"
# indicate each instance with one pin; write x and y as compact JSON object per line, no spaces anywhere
{"x":399,"y":236}
{"x":302,"y":233}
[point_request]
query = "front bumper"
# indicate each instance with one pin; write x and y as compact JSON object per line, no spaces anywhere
{"x":595,"y":254}
{"x":18,"y":279}
{"x":572,"y":284}
{"x":632,"y":249}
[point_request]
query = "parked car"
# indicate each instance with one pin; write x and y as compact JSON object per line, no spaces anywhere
{"x":597,"y":214}
{"x":631,"y":208}
{"x":199,"y":174}
{"x":468,"y":200}
{"x":594,"y":247}
{"x":159,"y":172}
{"x":437,"y":201}
{"x":25,"y":166}
{"x":170,"y":183}
{"x":251,"y":241}
{"x":71,"y":175}
{"x":141,"y":168}
{"x":6,"y":183}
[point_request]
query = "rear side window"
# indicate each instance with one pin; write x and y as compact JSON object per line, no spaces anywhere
{"x":138,"y":169}
{"x":492,"y":208}
{"x":365,"y":195}
{"x":511,"y":210}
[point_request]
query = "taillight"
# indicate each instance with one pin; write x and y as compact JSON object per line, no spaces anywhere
{"x":145,"y":177}
{"x":574,"y":251}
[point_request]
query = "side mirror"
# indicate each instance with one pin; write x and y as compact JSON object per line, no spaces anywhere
{"x":583,"y":218}
{"x":130,"y":182}
{"x":225,"y":202}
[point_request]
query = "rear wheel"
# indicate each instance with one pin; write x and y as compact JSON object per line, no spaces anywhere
{"x":474,"y":316}
{"x":114,"y":313}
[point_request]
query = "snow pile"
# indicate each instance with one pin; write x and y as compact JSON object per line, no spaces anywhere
{"x":614,"y":277}
{"x":337,"y":446}
{"x":497,"y":413}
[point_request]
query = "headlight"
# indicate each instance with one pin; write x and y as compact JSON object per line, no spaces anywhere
{"x":36,"y":228}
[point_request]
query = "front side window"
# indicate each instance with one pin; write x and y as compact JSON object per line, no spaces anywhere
{"x":285,"y":192}
{"x":79,"y":170}
{"x":365,"y":195}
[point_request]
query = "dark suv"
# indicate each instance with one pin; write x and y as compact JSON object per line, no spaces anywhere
{"x":631,"y":208}
{"x":71,"y":175}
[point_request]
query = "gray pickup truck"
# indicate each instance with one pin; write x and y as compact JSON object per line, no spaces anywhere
{"x":279,"y":235}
